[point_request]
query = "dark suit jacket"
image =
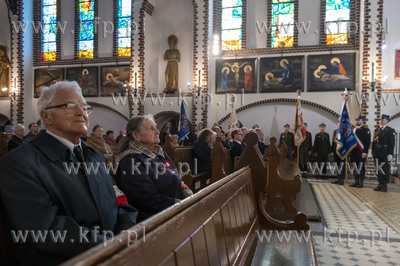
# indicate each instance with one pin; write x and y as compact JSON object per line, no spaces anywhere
{"x":39,"y":194}
{"x":322,"y":144}
{"x":383,"y":144}
{"x":306,"y":146}
{"x":202,"y":152}
{"x":15,"y":142}
{"x":261,"y":147}
{"x":288,"y":137}
{"x":236,"y":149}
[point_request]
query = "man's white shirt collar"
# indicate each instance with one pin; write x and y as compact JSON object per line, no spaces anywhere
{"x":64,"y":141}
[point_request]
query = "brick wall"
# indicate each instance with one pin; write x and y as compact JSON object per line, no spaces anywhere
{"x":20,"y":67}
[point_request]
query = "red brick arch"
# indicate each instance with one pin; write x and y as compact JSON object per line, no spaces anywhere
{"x":281,"y":100}
{"x":108,"y":108}
{"x":395,"y":116}
{"x":160,"y":114}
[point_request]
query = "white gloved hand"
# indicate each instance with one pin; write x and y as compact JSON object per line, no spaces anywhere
{"x":363,"y":155}
{"x":389,"y":157}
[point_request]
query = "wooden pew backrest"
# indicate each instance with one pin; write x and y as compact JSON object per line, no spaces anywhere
{"x":214,"y":227}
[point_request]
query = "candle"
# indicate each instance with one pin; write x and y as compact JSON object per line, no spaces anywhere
{"x":373,"y":78}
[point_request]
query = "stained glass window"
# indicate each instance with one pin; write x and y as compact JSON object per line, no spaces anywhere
{"x":86,"y":29}
{"x":231,"y":24}
{"x":337,"y":18}
{"x":282,"y":24}
{"x":49,"y":32}
{"x":124,"y":27}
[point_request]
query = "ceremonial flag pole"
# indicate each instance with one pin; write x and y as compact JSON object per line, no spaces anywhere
{"x":233,"y":120}
{"x":299,"y":129}
{"x":184,"y":129}
{"x":346,"y":139}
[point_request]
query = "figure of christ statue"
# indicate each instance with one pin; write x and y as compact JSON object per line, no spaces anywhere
{"x":173,"y":56}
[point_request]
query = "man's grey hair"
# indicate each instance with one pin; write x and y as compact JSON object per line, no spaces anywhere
{"x":19,"y":126}
{"x":48,"y":93}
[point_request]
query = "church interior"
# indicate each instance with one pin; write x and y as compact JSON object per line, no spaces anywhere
{"x":269,"y":66}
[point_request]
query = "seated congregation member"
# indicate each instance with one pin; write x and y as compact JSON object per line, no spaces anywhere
{"x":175,"y":140}
{"x":109,"y":138}
{"x":261,"y":145}
{"x":121,"y":135}
{"x":237,"y":144}
{"x":167,"y":130}
{"x":145,"y":173}
{"x":33,"y":131}
{"x":39,"y":195}
{"x":97,"y":142}
{"x":18,"y":139}
{"x":228,"y":141}
{"x":199,"y":128}
{"x":202,"y":151}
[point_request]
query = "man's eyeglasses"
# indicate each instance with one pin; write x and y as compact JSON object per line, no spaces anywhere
{"x":72,"y":107}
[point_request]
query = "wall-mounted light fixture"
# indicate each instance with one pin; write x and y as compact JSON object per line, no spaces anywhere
{"x":373,"y":83}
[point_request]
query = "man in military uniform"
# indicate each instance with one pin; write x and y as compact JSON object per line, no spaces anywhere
{"x":340,"y":174}
{"x":288,"y":138}
{"x":382,"y":150}
{"x":322,"y":146}
{"x":359,"y":155}
{"x":305,"y":150}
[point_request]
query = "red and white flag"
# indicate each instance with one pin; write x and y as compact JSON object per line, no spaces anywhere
{"x":299,"y":129}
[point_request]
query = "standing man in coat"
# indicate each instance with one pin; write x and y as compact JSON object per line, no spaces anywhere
{"x":322,"y":146}
{"x":382,"y":150}
{"x":340,"y":163}
{"x":45,"y":188}
{"x":359,"y":155}
{"x":305,"y":150}
{"x":288,"y":138}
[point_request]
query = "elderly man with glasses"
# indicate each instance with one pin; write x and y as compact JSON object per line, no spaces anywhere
{"x":46,"y":190}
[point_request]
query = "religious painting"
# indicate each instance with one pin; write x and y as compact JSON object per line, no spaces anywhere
{"x":236,"y":74}
{"x":4,"y":73}
{"x":87,"y":78}
{"x":281,"y":74}
{"x":114,"y":79}
{"x":45,"y":77}
{"x":333,"y":72}
{"x":397,"y":65}
{"x":398,"y":146}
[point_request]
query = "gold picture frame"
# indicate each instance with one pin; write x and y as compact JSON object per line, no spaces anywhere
{"x":397,"y":64}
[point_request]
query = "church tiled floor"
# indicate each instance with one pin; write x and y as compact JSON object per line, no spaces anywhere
{"x":352,"y":233}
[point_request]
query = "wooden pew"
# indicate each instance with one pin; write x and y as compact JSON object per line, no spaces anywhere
{"x":284,"y":182}
{"x":216,"y":226}
{"x":221,"y":161}
{"x":185,"y":155}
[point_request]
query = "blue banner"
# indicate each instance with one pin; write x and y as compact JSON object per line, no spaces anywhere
{"x":184,"y":128}
{"x":346,"y":139}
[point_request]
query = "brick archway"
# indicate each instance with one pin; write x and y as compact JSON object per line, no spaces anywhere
{"x":281,"y":100}
{"x":94,"y":104}
{"x":395,"y":116}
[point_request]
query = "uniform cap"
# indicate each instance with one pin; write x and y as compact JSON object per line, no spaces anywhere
{"x":360,"y":118}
